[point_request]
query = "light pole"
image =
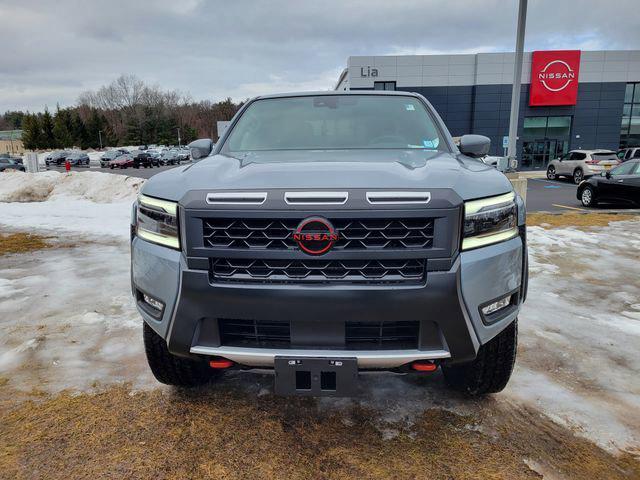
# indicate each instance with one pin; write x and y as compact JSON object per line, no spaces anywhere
{"x":100,"y":138}
{"x":517,"y":80}
{"x":178,"y":129}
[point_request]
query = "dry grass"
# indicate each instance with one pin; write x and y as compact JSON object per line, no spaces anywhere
{"x":580,"y":220}
{"x":21,"y":243}
{"x":222,"y":434}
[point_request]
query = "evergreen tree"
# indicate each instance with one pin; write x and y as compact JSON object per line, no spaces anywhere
{"x":62,"y":128}
{"x":31,"y":133}
{"x":79,"y":131}
{"x":46,"y":122}
{"x":189,"y":134}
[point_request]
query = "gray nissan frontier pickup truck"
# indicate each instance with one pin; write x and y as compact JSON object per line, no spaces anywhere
{"x":328,"y":234}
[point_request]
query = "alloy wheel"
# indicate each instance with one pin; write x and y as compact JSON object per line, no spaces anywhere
{"x":551,"y":173}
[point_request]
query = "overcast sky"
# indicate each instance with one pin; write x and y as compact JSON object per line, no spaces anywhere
{"x":53,"y":50}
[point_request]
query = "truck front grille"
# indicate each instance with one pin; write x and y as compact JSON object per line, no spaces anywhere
{"x":392,"y":335}
{"x":318,"y":271}
{"x":354,"y":234}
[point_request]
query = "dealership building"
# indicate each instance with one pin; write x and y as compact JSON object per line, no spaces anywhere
{"x":570,"y":99}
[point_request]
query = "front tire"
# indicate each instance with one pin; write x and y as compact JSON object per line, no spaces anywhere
{"x":578,"y":176}
{"x":551,"y":173}
{"x":492,"y":367}
{"x":171,"y":369}
{"x":588,"y":197}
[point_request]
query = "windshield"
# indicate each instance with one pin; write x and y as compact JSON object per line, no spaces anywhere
{"x":332,"y":122}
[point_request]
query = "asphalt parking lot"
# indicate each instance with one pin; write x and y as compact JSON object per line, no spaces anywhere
{"x":542,"y":195}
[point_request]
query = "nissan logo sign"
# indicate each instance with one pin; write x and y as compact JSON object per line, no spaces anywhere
{"x":315,"y":235}
{"x":556,"y":75}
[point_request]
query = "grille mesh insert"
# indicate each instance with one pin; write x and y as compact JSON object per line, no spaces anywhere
{"x":382,"y":335}
{"x":296,"y":271}
{"x":358,"y":335}
{"x":354,"y":234}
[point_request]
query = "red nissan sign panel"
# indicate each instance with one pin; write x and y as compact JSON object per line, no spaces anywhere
{"x":554,"y":77}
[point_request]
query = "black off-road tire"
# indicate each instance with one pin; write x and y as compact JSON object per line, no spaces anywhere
{"x":171,"y":369}
{"x":491,"y":370}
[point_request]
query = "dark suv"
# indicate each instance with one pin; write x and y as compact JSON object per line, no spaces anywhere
{"x":56,"y":158}
{"x":142,"y":158}
{"x":328,"y":234}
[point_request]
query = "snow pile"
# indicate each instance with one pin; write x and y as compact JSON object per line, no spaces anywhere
{"x":95,"y":186}
{"x":93,"y":204}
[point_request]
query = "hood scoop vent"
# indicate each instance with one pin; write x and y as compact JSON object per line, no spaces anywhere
{"x":316,"y":198}
{"x":236,"y":198}
{"x":398,"y":198}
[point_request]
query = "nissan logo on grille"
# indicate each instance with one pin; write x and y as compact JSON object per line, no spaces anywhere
{"x":315,"y":235}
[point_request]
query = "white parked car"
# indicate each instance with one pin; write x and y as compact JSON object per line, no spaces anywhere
{"x":581,"y":164}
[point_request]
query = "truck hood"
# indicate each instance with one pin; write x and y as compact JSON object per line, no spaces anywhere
{"x":334,"y":169}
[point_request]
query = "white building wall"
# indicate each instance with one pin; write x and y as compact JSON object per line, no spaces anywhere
{"x":484,"y":69}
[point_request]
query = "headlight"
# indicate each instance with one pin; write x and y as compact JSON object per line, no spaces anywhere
{"x":489,"y":220}
{"x":157,"y":221}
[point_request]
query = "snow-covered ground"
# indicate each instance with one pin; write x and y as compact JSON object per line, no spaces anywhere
{"x":67,"y":319}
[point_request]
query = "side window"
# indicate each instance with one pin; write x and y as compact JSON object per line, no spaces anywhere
{"x":624,"y":169}
{"x":636,"y":171}
{"x":578,"y":156}
{"x":637,"y":154}
{"x":566,"y":156}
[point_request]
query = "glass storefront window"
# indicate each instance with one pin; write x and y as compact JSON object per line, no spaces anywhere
{"x":544,"y":138}
{"x":558,"y":127}
{"x":628,"y":93}
{"x":535,"y":126}
{"x":630,"y":123}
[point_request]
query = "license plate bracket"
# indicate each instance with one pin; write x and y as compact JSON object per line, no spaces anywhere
{"x":317,"y":376}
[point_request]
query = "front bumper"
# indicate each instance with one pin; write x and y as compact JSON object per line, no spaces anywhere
{"x":447,"y":307}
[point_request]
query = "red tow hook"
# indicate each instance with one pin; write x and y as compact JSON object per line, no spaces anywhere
{"x":220,"y":363}
{"x":424,"y":366}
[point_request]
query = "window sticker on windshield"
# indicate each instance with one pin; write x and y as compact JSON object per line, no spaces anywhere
{"x":431,"y":143}
{"x":409,"y":107}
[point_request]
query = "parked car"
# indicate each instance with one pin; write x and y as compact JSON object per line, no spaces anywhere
{"x":142,"y":159}
{"x":56,"y":158}
{"x":169,"y":157}
{"x":122,"y":161}
{"x":10,"y":164}
{"x":155,"y":157}
{"x":625,"y":154}
{"x":581,"y":164}
{"x":183,"y":154}
{"x":78,"y":158}
{"x":10,"y":157}
{"x":110,"y":155}
{"x":326,"y":256}
{"x":619,"y":185}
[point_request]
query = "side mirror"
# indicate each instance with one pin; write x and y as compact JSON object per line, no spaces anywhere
{"x":607,"y":174}
{"x":201,"y":148}
{"x":475,"y":145}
